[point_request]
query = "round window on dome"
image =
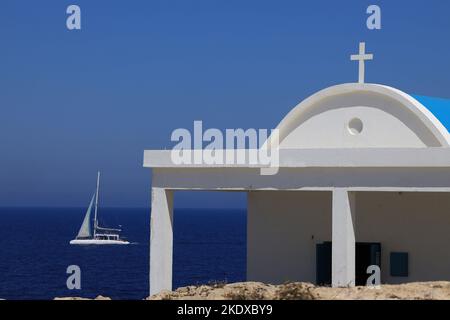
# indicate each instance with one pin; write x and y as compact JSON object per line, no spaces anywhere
{"x":355,"y":126}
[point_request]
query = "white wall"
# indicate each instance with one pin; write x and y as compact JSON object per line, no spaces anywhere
{"x":385,"y":123}
{"x":283,"y":230}
{"x":417,"y":223}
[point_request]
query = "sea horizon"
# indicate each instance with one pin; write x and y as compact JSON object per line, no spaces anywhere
{"x":36,"y":251}
{"x":114,"y":207}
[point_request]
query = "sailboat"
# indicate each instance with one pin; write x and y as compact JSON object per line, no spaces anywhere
{"x":100,"y":235}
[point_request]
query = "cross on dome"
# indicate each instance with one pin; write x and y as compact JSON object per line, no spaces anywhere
{"x":361,"y":57}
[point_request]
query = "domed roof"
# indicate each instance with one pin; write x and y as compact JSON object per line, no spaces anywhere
{"x":359,"y":115}
{"x":439,"y":107}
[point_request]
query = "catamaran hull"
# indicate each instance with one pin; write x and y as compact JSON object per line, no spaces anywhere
{"x":98,"y":242}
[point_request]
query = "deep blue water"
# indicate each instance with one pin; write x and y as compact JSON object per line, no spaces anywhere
{"x":209,"y":245}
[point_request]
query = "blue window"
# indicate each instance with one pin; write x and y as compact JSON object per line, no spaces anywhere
{"x":399,"y":264}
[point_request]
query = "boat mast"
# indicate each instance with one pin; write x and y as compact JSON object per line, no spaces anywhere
{"x":96,"y":204}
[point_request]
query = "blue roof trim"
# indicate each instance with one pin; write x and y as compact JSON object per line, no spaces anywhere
{"x":439,"y":107}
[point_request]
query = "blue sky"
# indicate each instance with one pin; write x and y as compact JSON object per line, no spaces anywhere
{"x":72,"y":102}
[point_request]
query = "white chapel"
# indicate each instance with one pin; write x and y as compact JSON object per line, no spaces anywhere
{"x":363,"y":179}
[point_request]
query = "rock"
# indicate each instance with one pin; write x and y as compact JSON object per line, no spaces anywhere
{"x":301,"y":291}
{"x":307,"y":291}
{"x":71,"y":298}
{"x":80,"y":298}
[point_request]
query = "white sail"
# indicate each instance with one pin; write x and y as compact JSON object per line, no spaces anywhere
{"x":96,"y":204}
{"x":85,"y":230}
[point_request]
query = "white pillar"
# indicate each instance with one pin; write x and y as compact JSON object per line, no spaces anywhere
{"x":343,"y":245}
{"x":161,"y":240}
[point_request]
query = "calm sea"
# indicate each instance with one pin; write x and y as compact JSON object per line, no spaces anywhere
{"x":209,"y":245}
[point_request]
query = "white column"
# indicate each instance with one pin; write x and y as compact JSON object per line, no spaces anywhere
{"x":161,"y":240}
{"x":343,"y":246}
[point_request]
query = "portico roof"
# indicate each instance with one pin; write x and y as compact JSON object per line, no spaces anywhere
{"x":301,"y":158}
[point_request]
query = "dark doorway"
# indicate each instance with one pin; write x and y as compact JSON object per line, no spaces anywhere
{"x":323,"y":264}
{"x":367,"y":254}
